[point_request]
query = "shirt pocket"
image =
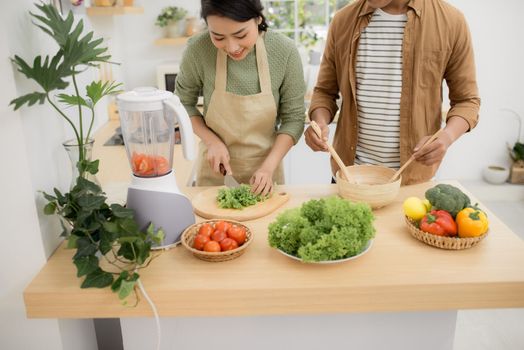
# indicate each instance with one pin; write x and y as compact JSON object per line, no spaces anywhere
{"x":432,"y":68}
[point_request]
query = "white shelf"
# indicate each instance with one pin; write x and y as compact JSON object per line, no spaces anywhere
{"x":113,"y":10}
{"x":171,"y":41}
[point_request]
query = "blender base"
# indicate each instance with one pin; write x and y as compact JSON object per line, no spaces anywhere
{"x":170,"y":211}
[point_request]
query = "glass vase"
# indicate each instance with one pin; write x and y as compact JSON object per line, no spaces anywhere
{"x":73,"y":151}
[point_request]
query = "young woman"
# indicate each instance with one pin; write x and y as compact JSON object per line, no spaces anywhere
{"x":253,"y":87}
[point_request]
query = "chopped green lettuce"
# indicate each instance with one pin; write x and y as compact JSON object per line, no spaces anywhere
{"x":238,"y":197}
{"x":323,"y":230}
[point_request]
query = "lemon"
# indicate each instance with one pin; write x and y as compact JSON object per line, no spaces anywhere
{"x":427,"y":204}
{"x":414,"y":208}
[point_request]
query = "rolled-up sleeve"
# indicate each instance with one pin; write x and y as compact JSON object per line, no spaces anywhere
{"x":460,"y":76}
{"x":326,"y":91}
{"x":291,"y":110}
{"x":189,"y":83}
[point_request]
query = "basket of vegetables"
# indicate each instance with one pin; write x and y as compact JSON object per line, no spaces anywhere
{"x":217,"y":240}
{"x":445,"y":219}
{"x":325,"y":231}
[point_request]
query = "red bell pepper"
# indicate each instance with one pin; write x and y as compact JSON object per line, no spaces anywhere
{"x":439,"y":222}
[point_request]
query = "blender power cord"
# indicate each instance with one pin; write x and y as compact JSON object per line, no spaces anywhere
{"x":155,"y":313}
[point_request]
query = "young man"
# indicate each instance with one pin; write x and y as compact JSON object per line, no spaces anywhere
{"x":387,"y":59}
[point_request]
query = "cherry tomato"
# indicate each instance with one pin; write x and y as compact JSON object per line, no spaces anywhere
{"x":222,"y":225}
{"x":218,"y":235}
{"x":205,"y":230}
{"x":200,"y":241}
{"x":212,"y":246}
{"x":228,"y":244}
{"x":237,"y":233}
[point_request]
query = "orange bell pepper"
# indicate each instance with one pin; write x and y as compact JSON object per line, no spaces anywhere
{"x":472,"y":222}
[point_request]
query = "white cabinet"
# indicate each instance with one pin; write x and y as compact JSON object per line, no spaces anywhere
{"x":302,"y":166}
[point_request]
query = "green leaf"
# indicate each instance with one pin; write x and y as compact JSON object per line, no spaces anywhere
{"x":106,"y":242}
{"x":72,"y":100}
{"x":97,"y":279}
{"x":85,"y":247}
{"x":91,"y":202}
{"x":142,"y":250}
{"x":116,"y":284}
{"x":111,"y":227}
{"x":129,"y":226}
{"x":72,"y":242}
{"x":96,"y":90}
{"x":121,"y":212}
{"x":59,"y":196}
{"x":87,"y":186}
{"x":66,"y":230}
{"x":30,"y":99}
{"x":91,"y":166}
{"x":85,"y":265}
{"x":49,"y":197}
{"x":126,"y":250}
{"x":156,"y":236}
{"x":50,"y":208}
{"x":53,"y":23}
{"x":129,"y":239}
{"x":126,"y":288}
{"x":48,"y":74}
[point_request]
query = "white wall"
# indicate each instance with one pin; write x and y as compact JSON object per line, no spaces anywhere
{"x":135,"y":36}
{"x":499,"y":55}
{"x":497,"y":33}
{"x":33,"y":160}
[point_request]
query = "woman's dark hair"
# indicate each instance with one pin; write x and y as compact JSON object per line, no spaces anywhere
{"x":237,"y":10}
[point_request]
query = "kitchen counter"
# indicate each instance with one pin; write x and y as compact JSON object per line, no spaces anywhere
{"x":399,"y":273}
{"x":400,"y":294}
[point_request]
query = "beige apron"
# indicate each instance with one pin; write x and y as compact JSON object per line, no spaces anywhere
{"x":246,"y":124}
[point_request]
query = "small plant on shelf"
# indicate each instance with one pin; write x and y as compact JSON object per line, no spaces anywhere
{"x":110,"y":247}
{"x":170,"y":15}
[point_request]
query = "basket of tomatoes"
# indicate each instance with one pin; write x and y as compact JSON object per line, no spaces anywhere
{"x":217,"y":240}
{"x":445,"y":219}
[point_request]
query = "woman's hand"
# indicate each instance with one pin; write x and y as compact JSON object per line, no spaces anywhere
{"x":262,"y":181}
{"x":313,"y":141}
{"x":217,"y":153}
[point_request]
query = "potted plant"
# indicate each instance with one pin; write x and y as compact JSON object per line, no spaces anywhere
{"x":517,"y":169}
{"x":96,"y":229}
{"x":171,"y":18}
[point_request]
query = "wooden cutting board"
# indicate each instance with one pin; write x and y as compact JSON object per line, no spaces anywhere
{"x":205,"y":205}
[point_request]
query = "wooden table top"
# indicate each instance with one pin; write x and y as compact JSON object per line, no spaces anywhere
{"x":398,"y":273}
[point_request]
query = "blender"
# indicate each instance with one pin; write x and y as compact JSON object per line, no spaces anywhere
{"x":147,"y":118}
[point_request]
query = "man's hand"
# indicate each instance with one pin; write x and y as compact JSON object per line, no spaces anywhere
{"x":313,"y":141}
{"x":433,"y":152}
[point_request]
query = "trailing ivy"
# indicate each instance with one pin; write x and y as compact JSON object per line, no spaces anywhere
{"x":97,"y":230}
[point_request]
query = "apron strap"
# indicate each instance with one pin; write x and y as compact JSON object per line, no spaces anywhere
{"x":262,"y":65}
{"x":221,"y":71}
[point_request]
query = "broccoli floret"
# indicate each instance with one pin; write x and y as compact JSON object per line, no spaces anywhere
{"x":448,"y":198}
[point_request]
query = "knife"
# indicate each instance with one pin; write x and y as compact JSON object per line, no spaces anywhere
{"x":229,"y":180}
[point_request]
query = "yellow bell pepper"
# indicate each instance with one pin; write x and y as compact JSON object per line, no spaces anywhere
{"x":471,"y":222}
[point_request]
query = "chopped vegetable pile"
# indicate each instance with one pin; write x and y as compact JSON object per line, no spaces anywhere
{"x":323,"y":230}
{"x":238,"y":197}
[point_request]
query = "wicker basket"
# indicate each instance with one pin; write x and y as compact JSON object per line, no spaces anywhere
{"x":452,"y":243}
{"x":190,"y":233}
